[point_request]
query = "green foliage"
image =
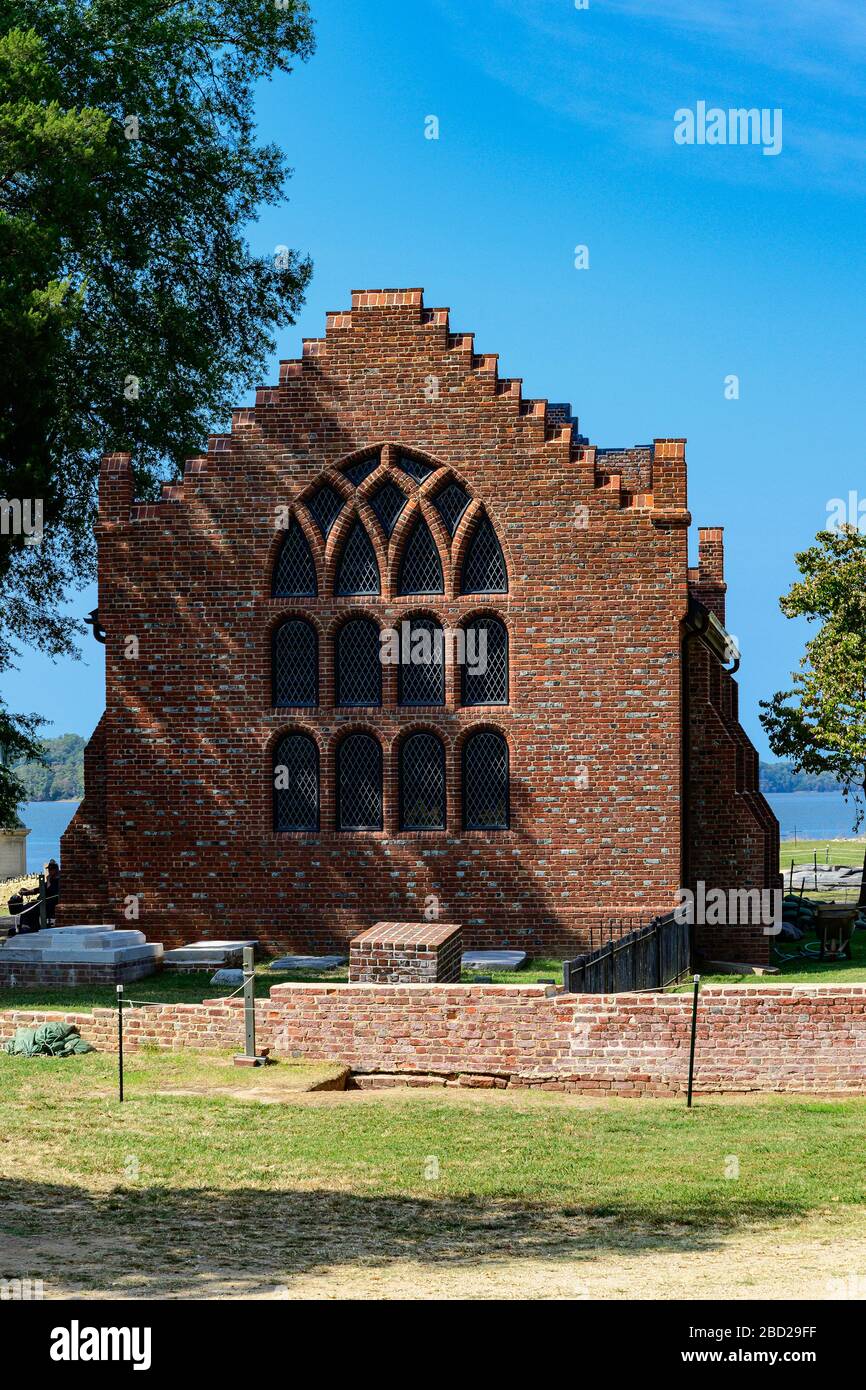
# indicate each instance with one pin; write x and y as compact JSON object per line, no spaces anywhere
{"x":58,"y":775}
{"x":821,"y":723}
{"x":126,"y":258}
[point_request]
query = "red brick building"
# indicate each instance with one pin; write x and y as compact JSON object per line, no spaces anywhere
{"x":260,"y":772}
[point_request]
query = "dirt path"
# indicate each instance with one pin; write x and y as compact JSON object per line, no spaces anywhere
{"x":310,"y":1254}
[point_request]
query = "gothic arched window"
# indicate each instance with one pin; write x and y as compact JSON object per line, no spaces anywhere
{"x":295,"y":665}
{"x":484,"y":570}
{"x":485,"y":662}
{"x":485,"y":781}
{"x":358,"y":571}
{"x":422,"y":783}
{"x":421,"y":568}
{"x":451,"y":503}
{"x":358,"y":472}
{"x":296,"y":783}
{"x":324,"y":507}
{"x":295,"y":571}
{"x":358,"y":664}
{"x":359,"y":783}
{"x":388,"y":502}
{"x":421,"y":673}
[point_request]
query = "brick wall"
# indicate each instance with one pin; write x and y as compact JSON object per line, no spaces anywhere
{"x":44,"y":975}
{"x":407,"y":953}
{"x":733,"y":836}
{"x":597,"y":563}
{"x":797,"y":1038}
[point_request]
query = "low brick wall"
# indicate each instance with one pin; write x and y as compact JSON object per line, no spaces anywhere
{"x":797,"y":1038}
{"x":39,"y":975}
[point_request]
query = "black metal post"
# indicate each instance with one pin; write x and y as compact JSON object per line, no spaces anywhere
{"x":120,"y":1042}
{"x":43,"y":905}
{"x":692,"y":1047}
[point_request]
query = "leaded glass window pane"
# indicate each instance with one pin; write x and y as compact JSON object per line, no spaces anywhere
{"x":358,"y":572}
{"x":485,"y":782}
{"x":484,"y":569}
{"x":422,"y":783}
{"x":324,"y":507}
{"x":295,"y":671}
{"x":294,"y":571}
{"x":451,"y":503}
{"x":421,"y":673}
{"x":416,"y":468}
{"x":359,"y":783}
{"x":358,"y":472}
{"x":485,"y":664}
{"x":358,"y":664}
{"x":296,"y":783}
{"x":388,"y":502}
{"x":421,"y":569}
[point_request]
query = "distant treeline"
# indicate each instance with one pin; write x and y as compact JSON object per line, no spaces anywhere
{"x":62,"y":777}
{"x":780,"y":777}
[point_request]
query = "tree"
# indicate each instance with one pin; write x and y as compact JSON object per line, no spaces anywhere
{"x":824,"y":729}
{"x":133,"y":314}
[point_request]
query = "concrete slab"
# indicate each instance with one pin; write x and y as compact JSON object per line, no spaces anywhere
{"x":78,"y":946}
{"x":204,"y":955}
{"x":308,"y":962}
{"x":73,"y":955}
{"x":493,"y":960}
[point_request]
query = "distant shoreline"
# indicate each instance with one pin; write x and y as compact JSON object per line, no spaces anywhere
{"x":54,"y":801}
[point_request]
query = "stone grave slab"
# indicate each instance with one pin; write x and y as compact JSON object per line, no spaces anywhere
{"x":206,"y":955}
{"x":307,"y":962}
{"x":493,"y":960}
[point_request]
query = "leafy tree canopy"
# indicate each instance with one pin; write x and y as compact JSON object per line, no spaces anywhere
{"x":820,"y":724}
{"x":133,"y":314}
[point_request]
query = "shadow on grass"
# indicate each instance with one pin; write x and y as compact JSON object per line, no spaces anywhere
{"x":159,"y":1241}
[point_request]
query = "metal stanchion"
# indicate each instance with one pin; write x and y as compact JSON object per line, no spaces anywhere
{"x":249,"y":1057}
{"x":692,"y":1047}
{"x":43,"y":905}
{"x":120,"y":1042}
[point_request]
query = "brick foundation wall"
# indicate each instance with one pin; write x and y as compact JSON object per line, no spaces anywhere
{"x":407,"y":953}
{"x":795,"y":1038}
{"x":179,"y":812}
{"x":20,"y":975}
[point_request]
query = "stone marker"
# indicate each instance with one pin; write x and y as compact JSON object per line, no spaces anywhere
{"x":228,"y":977}
{"x":493,"y":960}
{"x":307,"y":962}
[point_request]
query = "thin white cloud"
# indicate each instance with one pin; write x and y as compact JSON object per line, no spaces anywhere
{"x":624,"y":66}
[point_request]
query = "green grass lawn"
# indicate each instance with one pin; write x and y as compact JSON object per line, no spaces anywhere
{"x":793,"y":968}
{"x":172,"y":988}
{"x":180,"y":1194}
{"x":796,"y":970}
{"x":651,"y":1160}
{"x":839,"y":851}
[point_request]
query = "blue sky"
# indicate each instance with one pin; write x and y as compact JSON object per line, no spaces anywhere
{"x":556,"y":130}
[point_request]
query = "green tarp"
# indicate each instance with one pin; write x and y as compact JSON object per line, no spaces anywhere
{"x":48,"y":1040}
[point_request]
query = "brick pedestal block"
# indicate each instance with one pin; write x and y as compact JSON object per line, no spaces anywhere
{"x":407,"y":953}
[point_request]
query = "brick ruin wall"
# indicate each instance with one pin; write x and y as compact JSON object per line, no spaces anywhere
{"x":773,"y":1038}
